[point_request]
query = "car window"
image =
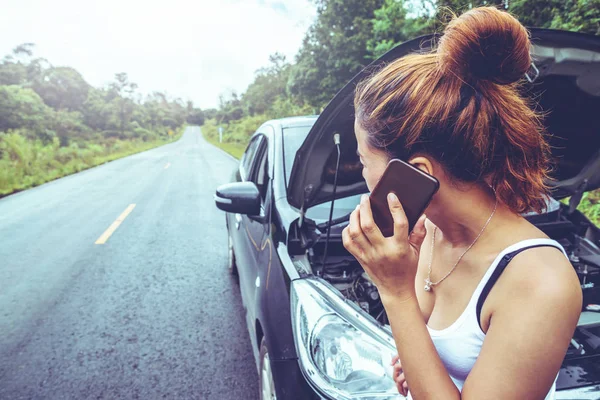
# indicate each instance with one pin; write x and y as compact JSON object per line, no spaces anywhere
{"x":260,"y":176}
{"x":248,"y":156}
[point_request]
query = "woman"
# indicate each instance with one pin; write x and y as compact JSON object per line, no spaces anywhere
{"x":481,"y":303}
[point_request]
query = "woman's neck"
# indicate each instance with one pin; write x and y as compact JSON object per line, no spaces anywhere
{"x":461,"y":215}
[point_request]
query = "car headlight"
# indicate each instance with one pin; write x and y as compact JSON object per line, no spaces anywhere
{"x":341,"y":353}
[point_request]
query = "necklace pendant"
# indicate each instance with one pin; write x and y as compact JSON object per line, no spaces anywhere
{"x":427,"y":285}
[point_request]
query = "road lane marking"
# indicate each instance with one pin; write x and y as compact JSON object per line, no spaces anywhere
{"x":113,"y":227}
{"x":168,"y":165}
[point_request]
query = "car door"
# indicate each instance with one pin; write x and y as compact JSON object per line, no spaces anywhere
{"x":242,"y":244}
{"x":256,"y":228}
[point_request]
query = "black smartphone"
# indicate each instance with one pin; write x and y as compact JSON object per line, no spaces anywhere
{"x":414,"y":189}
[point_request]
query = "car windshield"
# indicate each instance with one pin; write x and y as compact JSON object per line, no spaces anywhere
{"x":343,"y":206}
{"x":293,"y":138}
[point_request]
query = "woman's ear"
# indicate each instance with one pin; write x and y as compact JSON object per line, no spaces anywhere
{"x":423,"y":163}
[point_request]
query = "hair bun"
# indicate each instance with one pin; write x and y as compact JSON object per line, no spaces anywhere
{"x":485,"y":43}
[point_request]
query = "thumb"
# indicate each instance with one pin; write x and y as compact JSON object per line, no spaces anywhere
{"x":418,"y":233}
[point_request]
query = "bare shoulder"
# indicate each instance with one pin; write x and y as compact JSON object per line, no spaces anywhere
{"x":542,"y":277}
{"x":540,"y":268}
{"x":537,"y":297}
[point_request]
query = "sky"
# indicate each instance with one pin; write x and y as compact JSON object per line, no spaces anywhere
{"x":193,"y":50}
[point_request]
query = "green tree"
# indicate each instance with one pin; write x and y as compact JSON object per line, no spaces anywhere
{"x":124,"y":90}
{"x":155,"y":110}
{"x":67,"y":126}
{"x":573,"y":15}
{"x":398,"y":21}
{"x":52,"y":123}
{"x":269,"y":84}
{"x":36,"y":69}
{"x":230,"y":107}
{"x":97,"y":110}
{"x":333,"y":50}
{"x":13,"y":69}
{"x":12,"y":73}
{"x":210,"y":113}
{"x":177,"y":114}
{"x":22,"y":108}
{"x":161,"y":113}
{"x":196,"y":117}
{"x":62,"y":88}
{"x":24,"y":50}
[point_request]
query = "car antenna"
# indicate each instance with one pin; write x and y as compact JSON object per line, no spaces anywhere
{"x":336,"y":140}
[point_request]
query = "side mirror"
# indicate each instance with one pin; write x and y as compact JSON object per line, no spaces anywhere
{"x":238,"y":197}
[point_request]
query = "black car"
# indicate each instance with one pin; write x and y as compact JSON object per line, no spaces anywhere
{"x":317,"y":326}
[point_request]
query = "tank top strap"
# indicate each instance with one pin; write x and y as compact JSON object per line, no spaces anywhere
{"x":500,"y":264}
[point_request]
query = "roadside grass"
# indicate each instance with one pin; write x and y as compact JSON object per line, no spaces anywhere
{"x":235,"y":149}
{"x":235,"y":135}
{"x":26,"y":163}
{"x":589,"y":206}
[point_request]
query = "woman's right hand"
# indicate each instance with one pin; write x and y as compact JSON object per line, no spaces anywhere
{"x":398,"y":376}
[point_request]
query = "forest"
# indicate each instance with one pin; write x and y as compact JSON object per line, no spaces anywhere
{"x":346,"y":36}
{"x":349,"y":34}
{"x":53,"y":123}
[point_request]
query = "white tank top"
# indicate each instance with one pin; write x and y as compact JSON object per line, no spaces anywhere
{"x":459,"y":344}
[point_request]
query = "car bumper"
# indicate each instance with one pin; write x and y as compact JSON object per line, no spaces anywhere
{"x":291,"y":384}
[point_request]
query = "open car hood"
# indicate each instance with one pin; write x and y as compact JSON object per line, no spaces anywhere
{"x":566,"y":84}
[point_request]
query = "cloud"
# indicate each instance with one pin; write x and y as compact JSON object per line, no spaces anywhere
{"x":193,"y":50}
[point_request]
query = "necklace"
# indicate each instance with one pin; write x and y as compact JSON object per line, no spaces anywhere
{"x":428,"y":283}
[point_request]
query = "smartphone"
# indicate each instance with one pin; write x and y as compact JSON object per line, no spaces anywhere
{"x":414,"y":189}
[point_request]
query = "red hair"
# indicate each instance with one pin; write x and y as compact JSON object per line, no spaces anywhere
{"x":460,"y":105}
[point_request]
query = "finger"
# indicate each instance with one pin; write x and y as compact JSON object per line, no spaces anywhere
{"x":400,"y":388}
{"x":367,"y":223}
{"x":355,"y":231}
{"x":401,"y":378}
{"x":397,"y":369}
{"x":350,"y":245}
{"x":395,"y":359}
{"x":402,"y":382}
{"x":400,"y":221}
{"x":398,"y":379}
{"x":418,"y":233}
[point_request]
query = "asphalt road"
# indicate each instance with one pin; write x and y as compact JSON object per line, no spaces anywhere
{"x":150,"y":314}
